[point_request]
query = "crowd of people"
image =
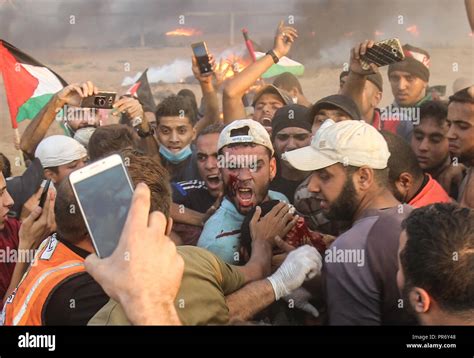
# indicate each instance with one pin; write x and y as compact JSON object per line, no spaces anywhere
{"x":291,"y":211}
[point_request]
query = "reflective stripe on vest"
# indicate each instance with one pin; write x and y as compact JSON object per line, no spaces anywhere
{"x":52,"y":265}
{"x":24,"y":306}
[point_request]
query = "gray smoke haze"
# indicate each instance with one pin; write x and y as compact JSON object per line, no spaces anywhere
{"x":327,"y":27}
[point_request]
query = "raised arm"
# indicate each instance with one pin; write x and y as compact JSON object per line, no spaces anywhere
{"x":34,"y":229}
{"x":236,"y":87}
{"x":209,"y":95}
{"x":37,"y":129}
{"x":132,"y":107}
{"x":354,"y":86}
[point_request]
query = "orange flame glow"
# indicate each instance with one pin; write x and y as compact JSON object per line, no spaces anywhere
{"x":413,"y":30}
{"x":230,"y":66}
{"x":184,"y":31}
{"x":378,"y":33}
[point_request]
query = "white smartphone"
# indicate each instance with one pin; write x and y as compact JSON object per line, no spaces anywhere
{"x":104,"y":193}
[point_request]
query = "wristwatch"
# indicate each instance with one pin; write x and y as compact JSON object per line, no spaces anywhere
{"x":274,"y":56}
{"x":142,"y":134}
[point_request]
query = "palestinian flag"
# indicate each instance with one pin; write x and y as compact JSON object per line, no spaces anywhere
{"x":284,"y":65}
{"x":141,"y":90}
{"x":29,"y":84}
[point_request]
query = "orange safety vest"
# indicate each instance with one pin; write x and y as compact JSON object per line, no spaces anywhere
{"x":53,"y":264}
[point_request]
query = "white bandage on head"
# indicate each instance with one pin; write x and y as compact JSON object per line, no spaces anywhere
{"x":58,"y":150}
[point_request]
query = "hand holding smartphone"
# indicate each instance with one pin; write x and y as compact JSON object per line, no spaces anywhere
{"x":104,"y":192}
{"x":202,"y":57}
{"x":44,"y":194}
{"x":383,"y":53}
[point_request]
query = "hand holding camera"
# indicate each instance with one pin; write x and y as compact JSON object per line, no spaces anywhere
{"x":73,"y":94}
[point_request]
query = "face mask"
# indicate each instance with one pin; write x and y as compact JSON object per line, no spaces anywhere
{"x":83,"y":135}
{"x":177,"y":157}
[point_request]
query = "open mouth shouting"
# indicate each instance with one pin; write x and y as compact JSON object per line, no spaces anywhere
{"x":213,"y":181}
{"x":244,"y":196}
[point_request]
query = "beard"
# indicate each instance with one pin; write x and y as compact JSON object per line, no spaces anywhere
{"x":260,"y":194}
{"x":345,"y":205}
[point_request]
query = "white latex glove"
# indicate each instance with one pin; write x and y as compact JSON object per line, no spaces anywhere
{"x":299,"y":298}
{"x":301,"y":264}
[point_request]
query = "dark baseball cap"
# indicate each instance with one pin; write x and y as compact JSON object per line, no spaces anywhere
{"x":293,"y":115}
{"x":271,"y":89}
{"x":340,"y":101}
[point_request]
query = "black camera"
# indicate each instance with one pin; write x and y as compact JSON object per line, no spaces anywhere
{"x":100,"y":100}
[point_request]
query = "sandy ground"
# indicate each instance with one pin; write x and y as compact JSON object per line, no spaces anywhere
{"x":106,"y":69}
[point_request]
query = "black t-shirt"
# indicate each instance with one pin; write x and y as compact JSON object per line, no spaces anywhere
{"x":75,"y":301}
{"x":182,"y":171}
{"x":285,"y":186}
{"x":193,"y":194}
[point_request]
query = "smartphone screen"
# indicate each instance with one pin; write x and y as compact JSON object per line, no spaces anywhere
{"x":200,"y":50}
{"x":105,"y":200}
{"x":202,"y":57}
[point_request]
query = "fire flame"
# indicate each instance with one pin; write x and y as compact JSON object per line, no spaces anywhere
{"x":230,"y":66}
{"x":184,"y":31}
{"x":378,"y":33}
{"x":471,"y":34}
{"x":413,"y":30}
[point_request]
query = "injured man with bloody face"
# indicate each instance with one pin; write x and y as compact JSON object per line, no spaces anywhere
{"x":247,"y":166}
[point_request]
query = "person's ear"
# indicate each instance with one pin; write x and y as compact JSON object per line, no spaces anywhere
{"x":404,"y":184}
{"x":49,"y":174}
{"x":169,"y":226}
{"x":377,"y":98}
{"x":273,"y":168}
{"x":364,"y":177}
{"x":419,"y":299}
{"x":406,"y":180}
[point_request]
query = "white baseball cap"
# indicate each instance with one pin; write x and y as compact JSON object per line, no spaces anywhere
{"x":348,"y":142}
{"x":244,"y":131}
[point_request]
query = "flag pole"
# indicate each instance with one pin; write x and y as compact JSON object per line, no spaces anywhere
{"x":16,"y":142}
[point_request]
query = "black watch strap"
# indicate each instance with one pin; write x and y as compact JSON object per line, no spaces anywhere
{"x":143,"y":134}
{"x":274,"y":56}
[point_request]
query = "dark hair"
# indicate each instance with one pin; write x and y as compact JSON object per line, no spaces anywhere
{"x":380,"y":175}
{"x":402,"y":158}
{"x":142,"y":169}
{"x":5,"y":166}
{"x":436,"y":110}
{"x":70,"y":224}
{"x":439,"y":254}
{"x":148,"y":170}
{"x":187,"y":93}
{"x":287,"y":81}
{"x":211,"y":129}
{"x":462,"y":96}
{"x":111,"y":138}
{"x":176,"y":106}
